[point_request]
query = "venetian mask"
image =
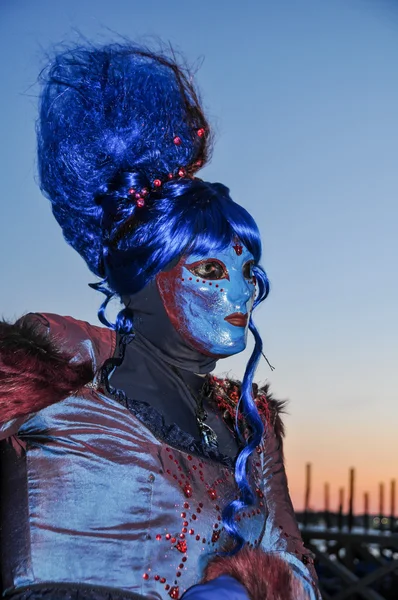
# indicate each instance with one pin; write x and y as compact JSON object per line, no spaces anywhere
{"x":209,"y":298}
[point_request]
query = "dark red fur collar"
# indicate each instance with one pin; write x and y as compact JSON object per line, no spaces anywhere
{"x":34,"y":371}
{"x":265,"y":576}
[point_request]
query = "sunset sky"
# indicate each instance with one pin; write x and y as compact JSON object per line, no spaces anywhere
{"x":303,"y":97}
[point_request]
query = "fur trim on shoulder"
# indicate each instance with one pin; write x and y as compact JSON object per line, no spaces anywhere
{"x":225,"y":394}
{"x":276,"y":407}
{"x":34,"y":373}
{"x":265,"y":576}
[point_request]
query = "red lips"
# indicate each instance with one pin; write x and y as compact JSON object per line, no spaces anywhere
{"x":237,"y":319}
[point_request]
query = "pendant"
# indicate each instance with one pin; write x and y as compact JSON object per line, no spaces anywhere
{"x":208,"y":435}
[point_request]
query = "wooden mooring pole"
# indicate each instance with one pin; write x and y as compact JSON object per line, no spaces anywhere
{"x":381,"y":505}
{"x":327,"y":505}
{"x":351,"y":500}
{"x":392,"y":506}
{"x":307,"y":493}
{"x":341,"y":508}
{"x":366,"y":511}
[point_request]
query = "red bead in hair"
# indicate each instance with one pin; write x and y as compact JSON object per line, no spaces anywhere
{"x":144,"y":192}
{"x":131,"y":191}
{"x":157,"y":183}
{"x":140,"y":202}
{"x":201,"y":132}
{"x":170,"y":175}
{"x":177,"y":140}
{"x":181,"y":172}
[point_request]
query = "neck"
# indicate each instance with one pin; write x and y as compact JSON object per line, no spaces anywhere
{"x":157,"y":335}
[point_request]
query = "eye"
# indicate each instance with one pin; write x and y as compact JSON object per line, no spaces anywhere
{"x":209,"y":269}
{"x":247,"y":269}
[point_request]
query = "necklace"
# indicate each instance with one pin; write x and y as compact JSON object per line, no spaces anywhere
{"x":207,"y":434}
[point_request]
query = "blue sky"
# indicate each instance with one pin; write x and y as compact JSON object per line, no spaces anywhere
{"x":303,"y":96}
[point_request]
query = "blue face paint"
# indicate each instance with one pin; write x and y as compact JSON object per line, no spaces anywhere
{"x":209,"y":298}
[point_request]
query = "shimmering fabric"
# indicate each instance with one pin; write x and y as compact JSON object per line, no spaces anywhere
{"x":90,"y":496}
{"x":109,"y":504}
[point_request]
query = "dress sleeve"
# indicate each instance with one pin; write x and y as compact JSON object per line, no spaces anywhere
{"x":43,"y":359}
{"x":282,"y":534}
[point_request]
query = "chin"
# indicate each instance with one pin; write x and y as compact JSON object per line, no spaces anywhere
{"x":238,"y":347}
{"x":230,"y":350}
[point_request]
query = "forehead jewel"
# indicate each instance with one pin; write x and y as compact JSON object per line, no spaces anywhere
{"x":238,"y":248}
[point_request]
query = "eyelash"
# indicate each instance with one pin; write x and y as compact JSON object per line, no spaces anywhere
{"x":249,"y":265}
{"x":222,"y":273}
{"x":195,"y":269}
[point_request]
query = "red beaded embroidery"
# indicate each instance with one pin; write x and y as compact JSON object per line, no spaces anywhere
{"x":187,"y":489}
{"x":182,"y":546}
{"x":225,"y":395}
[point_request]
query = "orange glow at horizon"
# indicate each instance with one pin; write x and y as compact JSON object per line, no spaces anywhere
{"x":374,"y":459}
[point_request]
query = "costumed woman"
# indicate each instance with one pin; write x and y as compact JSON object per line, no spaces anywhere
{"x":128,"y":470}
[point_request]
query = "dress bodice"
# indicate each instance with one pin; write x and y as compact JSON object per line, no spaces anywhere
{"x":112,"y":505}
{"x":91,"y":495}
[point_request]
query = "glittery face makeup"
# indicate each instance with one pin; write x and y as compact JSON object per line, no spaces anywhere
{"x":209,"y":298}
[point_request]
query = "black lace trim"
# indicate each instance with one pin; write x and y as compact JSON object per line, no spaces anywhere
{"x":173,"y":435}
{"x":153,"y":419}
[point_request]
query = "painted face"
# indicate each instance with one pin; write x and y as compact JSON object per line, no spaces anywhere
{"x":209,"y":298}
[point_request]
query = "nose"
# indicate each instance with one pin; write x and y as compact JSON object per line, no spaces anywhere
{"x":240,"y":289}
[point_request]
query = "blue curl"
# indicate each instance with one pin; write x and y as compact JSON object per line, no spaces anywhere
{"x":248,"y":408}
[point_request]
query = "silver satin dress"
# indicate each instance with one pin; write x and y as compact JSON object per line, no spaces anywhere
{"x":91,"y":496}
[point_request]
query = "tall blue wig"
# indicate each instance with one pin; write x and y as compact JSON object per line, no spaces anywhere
{"x":121,"y":135}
